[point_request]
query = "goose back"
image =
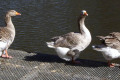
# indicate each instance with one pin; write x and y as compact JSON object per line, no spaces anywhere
{"x":68,"y":40}
{"x":112,"y":40}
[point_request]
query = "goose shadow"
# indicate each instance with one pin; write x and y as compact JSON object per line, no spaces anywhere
{"x":43,"y":57}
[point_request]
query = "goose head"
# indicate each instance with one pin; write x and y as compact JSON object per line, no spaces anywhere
{"x":13,"y":13}
{"x":84,"y":13}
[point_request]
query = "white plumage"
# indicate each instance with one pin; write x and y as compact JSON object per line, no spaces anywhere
{"x":62,"y":53}
{"x":3,"y":46}
{"x":108,"y":52}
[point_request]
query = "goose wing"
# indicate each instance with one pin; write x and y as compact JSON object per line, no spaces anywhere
{"x":4,"y":34}
{"x":68,"y":40}
{"x":112,"y":40}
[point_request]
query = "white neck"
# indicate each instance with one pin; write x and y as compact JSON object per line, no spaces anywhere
{"x":83,"y":30}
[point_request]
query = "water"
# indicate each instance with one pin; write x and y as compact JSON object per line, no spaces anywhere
{"x":43,"y":19}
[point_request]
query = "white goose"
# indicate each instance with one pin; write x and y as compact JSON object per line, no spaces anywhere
{"x":69,"y":46}
{"x":7,"y":34}
{"x":110,"y":47}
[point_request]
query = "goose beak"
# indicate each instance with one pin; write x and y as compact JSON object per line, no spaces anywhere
{"x":18,"y":13}
{"x":85,"y":14}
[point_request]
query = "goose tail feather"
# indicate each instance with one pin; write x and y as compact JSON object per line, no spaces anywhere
{"x":50,"y":44}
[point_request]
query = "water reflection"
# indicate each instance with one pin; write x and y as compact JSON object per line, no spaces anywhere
{"x":43,"y":19}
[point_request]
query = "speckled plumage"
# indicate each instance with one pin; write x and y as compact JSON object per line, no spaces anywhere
{"x":112,"y":40}
{"x":7,"y":33}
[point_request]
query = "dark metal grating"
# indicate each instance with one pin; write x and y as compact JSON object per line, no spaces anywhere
{"x":31,"y":66}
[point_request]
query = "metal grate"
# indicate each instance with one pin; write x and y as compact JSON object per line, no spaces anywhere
{"x":31,"y":66}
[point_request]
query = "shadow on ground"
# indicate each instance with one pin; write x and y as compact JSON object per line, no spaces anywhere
{"x":54,"y":58}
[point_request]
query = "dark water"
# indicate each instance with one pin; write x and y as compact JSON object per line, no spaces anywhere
{"x":43,"y":19}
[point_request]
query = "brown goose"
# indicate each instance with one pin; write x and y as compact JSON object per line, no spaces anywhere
{"x":110,"y":47}
{"x":7,"y":34}
{"x":69,"y":46}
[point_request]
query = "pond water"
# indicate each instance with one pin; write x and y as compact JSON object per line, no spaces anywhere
{"x":43,"y":19}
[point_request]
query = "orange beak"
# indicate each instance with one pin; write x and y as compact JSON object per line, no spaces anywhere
{"x":18,"y":13}
{"x":85,"y":14}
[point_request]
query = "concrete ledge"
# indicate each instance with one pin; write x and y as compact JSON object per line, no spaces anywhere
{"x":38,"y":66}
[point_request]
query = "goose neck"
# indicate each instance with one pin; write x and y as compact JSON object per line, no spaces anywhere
{"x":8,"y":21}
{"x":83,"y":29}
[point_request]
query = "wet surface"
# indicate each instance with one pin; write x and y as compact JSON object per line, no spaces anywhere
{"x":31,"y":66}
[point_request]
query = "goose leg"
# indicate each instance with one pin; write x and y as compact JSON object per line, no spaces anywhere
{"x":75,"y":62}
{"x":72,"y":54}
{"x":111,"y":64}
{"x":6,"y":55}
{"x":3,"y":54}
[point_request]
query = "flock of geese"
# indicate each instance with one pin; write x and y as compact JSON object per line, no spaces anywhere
{"x":67,"y":46}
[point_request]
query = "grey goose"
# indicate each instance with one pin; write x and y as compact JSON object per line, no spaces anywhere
{"x":7,"y":34}
{"x":110,"y":47}
{"x":69,"y":46}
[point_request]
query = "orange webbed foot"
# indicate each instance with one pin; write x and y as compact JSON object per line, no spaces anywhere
{"x":5,"y":56}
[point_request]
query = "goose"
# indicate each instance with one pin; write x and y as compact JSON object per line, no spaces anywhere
{"x":69,"y":46}
{"x":7,"y":34}
{"x":110,"y":47}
